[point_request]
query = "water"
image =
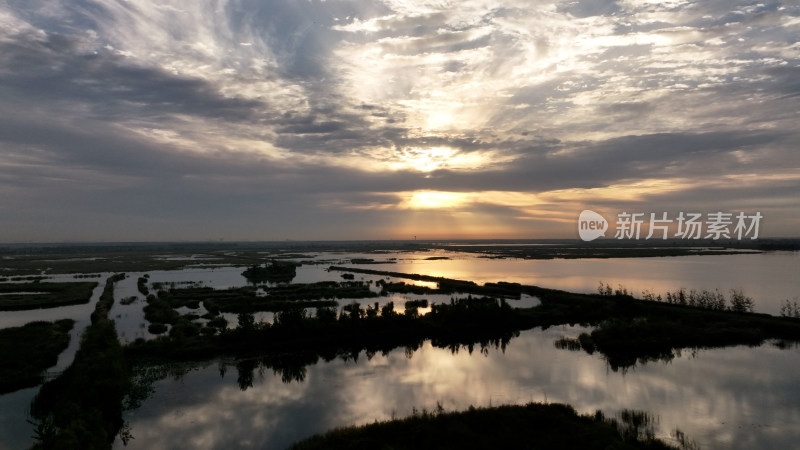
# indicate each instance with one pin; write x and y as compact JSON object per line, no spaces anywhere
{"x":769,"y":278}
{"x":715,"y":396}
{"x":15,"y":431}
{"x":725,"y":398}
{"x":130,"y":321}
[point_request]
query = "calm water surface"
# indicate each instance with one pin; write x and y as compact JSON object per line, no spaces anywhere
{"x":770,"y":278}
{"x":733,"y":398}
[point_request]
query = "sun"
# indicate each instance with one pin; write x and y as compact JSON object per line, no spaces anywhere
{"x":438,"y":120}
{"x":436,"y":200}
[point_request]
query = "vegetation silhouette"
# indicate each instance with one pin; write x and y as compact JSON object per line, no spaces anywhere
{"x":252,"y":299}
{"x":141,"y":285}
{"x":38,"y":295}
{"x":160,"y":309}
{"x":274,"y":271}
{"x":630,"y":331}
{"x":445,"y":285}
{"x":790,"y":309}
{"x":82,"y":408}
{"x":627,"y":331}
{"x":28,"y":350}
{"x":466,"y":321}
{"x":703,"y":298}
{"x":530,"y":426}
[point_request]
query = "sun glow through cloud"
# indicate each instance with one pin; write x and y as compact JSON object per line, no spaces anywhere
{"x":430,"y":159}
{"x":436,"y":200}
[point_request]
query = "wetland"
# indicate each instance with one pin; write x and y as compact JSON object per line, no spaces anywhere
{"x":190,"y":349}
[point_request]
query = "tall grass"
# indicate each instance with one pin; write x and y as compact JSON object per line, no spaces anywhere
{"x":696,"y":298}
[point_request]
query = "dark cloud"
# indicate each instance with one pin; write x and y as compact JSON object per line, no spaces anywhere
{"x":588,"y":8}
{"x":784,"y":80}
{"x":552,"y":166}
{"x":53,"y":69}
{"x":437,"y":43}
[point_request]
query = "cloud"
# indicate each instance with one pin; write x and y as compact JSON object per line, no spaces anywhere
{"x":53,"y":71}
{"x":192,"y":113}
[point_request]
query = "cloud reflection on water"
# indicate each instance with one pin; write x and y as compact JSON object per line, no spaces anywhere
{"x":717,"y":397}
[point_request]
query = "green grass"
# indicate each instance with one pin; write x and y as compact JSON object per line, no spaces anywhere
{"x":28,"y":350}
{"x":532,"y":426}
{"x":24,"y":296}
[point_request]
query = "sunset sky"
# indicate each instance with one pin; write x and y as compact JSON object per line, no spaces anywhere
{"x":270,"y":120}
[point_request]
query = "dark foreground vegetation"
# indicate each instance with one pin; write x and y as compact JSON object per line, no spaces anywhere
{"x":276,"y":298}
{"x":627,"y":331}
{"x":532,"y":426}
{"x":630,"y":331}
{"x":36,"y":295}
{"x":160,"y":310}
{"x":296,"y":338}
{"x":28,"y":350}
{"x":82,"y":408}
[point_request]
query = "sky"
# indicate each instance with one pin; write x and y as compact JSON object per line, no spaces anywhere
{"x":132,"y":120}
